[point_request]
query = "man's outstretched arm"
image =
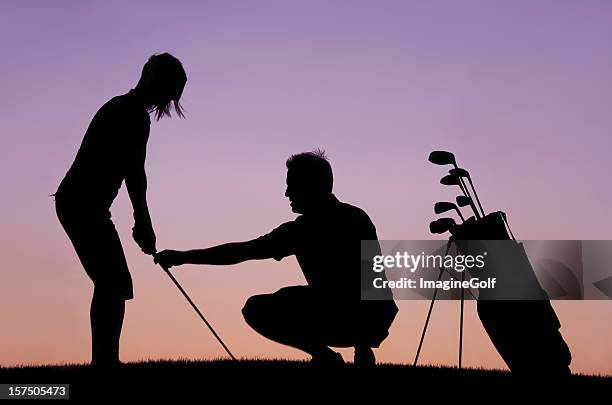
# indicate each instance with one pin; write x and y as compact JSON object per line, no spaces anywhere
{"x":226,"y":254}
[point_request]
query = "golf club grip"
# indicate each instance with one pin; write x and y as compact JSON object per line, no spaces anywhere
{"x":198,"y":311}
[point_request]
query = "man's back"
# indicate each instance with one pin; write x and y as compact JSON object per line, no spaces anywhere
{"x":328,"y":249}
{"x":327,"y":245}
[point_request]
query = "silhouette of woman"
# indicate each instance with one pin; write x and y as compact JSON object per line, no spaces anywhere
{"x":114,"y":150}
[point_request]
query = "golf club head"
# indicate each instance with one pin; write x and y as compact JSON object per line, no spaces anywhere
{"x":463,"y":201}
{"x":442,"y":225}
{"x":444,"y":206}
{"x":450,"y":180}
{"x":459,"y":172}
{"x":442,"y":157}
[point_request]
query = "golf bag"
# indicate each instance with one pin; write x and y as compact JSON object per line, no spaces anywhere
{"x":516,"y":314}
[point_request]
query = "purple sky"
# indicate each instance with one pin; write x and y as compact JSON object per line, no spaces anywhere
{"x":519,"y":90}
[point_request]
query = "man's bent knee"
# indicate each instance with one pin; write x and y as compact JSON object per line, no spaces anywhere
{"x":249,"y":310}
{"x":255,"y":310}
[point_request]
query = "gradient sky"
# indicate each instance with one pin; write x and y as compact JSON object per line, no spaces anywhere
{"x":519,"y":90}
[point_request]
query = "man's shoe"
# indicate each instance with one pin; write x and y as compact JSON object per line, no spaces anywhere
{"x":327,"y":359}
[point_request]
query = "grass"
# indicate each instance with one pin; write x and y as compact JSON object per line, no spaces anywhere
{"x":266,"y":379}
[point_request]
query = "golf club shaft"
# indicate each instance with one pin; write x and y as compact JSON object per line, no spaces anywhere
{"x":476,"y":195}
{"x":472,"y":205}
{"x":460,"y":214}
{"x":463,"y":186}
{"x":466,"y":193}
{"x":198,"y":312}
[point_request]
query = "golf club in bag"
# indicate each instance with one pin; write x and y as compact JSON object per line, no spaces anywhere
{"x":516,"y":314}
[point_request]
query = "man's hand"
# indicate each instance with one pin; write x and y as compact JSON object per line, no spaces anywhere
{"x":169,"y":258}
{"x":144,"y":236}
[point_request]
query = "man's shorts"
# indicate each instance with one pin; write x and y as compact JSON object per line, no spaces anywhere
{"x":98,"y":246}
{"x":301,"y":310}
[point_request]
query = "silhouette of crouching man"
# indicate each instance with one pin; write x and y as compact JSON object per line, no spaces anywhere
{"x":326,"y":240}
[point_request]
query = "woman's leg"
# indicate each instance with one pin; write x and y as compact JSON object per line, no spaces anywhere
{"x":99,"y":249}
{"x":106,"y":316}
